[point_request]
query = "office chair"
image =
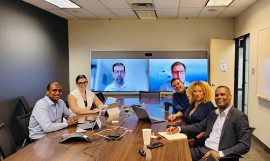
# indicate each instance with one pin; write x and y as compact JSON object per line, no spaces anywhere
{"x":101,"y":97}
{"x":147,"y":96}
{"x":7,"y":144}
{"x":24,"y":104}
{"x":252,"y":129}
{"x":167,"y":105}
{"x":24,"y":123}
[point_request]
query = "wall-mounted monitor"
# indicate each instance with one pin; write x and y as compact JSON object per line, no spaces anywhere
{"x":144,"y":70}
{"x":160,"y":74}
{"x":134,"y":75}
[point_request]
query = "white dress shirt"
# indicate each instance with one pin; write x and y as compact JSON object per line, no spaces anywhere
{"x":214,"y":138}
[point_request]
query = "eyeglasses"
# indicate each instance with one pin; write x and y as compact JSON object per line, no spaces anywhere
{"x":119,"y":72}
{"x":82,"y":83}
{"x":177,"y":72}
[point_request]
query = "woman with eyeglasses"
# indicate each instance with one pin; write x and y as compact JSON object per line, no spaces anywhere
{"x":199,"y":95}
{"x":81,"y":99}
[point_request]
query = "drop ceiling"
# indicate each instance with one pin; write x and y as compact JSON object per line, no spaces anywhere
{"x":165,"y":9}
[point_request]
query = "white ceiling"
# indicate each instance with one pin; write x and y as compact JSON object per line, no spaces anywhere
{"x":165,"y":9}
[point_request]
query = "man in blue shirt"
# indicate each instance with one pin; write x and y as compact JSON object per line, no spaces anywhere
{"x":48,"y":112}
{"x":180,"y":100}
{"x":178,"y":70}
{"x":119,"y":72}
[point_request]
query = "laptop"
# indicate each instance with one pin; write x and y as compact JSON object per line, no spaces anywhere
{"x":109,"y":101}
{"x":143,"y":115}
{"x":90,"y":124}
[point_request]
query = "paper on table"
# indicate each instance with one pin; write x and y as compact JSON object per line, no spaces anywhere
{"x":176,"y":136}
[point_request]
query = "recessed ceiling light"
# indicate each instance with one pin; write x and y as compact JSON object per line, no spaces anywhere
{"x":63,"y":3}
{"x":219,"y":2}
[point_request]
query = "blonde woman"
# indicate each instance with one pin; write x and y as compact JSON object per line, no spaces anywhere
{"x":199,"y":94}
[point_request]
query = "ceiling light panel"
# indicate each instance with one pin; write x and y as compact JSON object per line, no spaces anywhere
{"x":63,"y":3}
{"x":218,"y":2}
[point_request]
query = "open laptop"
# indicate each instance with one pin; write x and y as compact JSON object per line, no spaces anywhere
{"x":90,"y":124}
{"x":143,"y":115}
{"x":109,"y":101}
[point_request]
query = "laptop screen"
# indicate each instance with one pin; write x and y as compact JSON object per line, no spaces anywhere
{"x":109,"y":100}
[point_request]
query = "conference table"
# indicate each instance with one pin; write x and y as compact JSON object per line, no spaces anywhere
{"x":125,"y":149}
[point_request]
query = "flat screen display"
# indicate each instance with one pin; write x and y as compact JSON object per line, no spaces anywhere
{"x":160,"y":73}
{"x":135,"y":77}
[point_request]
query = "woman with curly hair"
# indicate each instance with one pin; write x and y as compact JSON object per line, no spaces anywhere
{"x":199,"y":94}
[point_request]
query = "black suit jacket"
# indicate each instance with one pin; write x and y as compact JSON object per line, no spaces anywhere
{"x":235,"y":137}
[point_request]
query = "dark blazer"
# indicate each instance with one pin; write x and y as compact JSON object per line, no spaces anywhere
{"x":235,"y":137}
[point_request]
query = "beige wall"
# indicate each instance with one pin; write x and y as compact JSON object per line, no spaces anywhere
{"x":87,"y":35}
{"x":251,"y":21}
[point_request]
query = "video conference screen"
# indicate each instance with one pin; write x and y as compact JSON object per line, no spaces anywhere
{"x":142,"y":74}
{"x":135,"y":75}
{"x":160,"y":73}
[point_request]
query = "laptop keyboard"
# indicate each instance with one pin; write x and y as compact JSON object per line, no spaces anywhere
{"x":87,"y":125}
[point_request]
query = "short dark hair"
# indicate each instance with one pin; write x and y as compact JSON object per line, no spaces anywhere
{"x":227,"y":88}
{"x":174,"y":79}
{"x":80,"y":77}
{"x":177,"y":64}
{"x":118,"y":64}
{"x":49,"y":85}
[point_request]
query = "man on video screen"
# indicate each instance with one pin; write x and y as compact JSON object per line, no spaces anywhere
{"x":119,"y":84}
{"x":178,"y":71}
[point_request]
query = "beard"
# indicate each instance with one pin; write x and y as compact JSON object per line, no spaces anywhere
{"x":119,"y":80}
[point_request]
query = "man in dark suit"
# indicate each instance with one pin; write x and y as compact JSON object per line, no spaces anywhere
{"x":228,"y":135}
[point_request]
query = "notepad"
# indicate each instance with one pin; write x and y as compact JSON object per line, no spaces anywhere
{"x":176,"y":136}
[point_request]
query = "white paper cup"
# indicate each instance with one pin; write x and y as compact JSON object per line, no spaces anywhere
{"x":146,"y":136}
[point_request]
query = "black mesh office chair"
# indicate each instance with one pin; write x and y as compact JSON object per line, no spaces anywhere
{"x":101,"y":97}
{"x":7,"y":144}
{"x":147,"y":96}
{"x":24,"y":123}
{"x":24,"y":104}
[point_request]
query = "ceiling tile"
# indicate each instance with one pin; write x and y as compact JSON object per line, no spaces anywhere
{"x":167,"y":13}
{"x":166,"y":3}
{"x":104,"y":14}
{"x":115,"y":3}
{"x":206,"y":13}
{"x":120,"y":9}
{"x":189,"y":12}
{"x":125,"y":13}
{"x":81,"y":13}
{"x":242,"y":3}
{"x":63,"y":13}
{"x":193,"y":3}
{"x":230,"y":12}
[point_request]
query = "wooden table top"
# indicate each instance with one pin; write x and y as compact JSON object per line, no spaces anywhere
{"x":48,"y":148}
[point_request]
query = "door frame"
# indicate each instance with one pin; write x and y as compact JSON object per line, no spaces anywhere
{"x":237,"y":46}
